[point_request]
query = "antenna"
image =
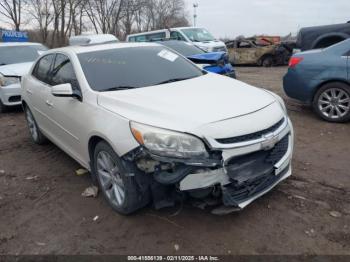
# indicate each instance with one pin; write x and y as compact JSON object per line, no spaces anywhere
{"x":195,"y":6}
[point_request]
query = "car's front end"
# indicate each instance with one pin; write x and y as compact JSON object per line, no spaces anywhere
{"x":16,"y":60}
{"x":231,"y":164}
{"x":10,"y":90}
{"x":232,"y":152}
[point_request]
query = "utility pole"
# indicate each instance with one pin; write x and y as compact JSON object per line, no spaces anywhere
{"x":195,"y":5}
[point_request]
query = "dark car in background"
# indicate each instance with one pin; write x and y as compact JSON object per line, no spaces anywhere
{"x":215,"y":62}
{"x":316,"y":37}
{"x":321,"y":78}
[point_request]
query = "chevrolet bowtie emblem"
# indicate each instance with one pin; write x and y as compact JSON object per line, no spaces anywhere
{"x":269,"y":141}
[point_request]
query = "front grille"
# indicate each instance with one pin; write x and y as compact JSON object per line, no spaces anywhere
{"x":234,"y":194}
{"x":278,"y":151}
{"x":14,"y":99}
{"x":219,"y":49}
{"x":252,"y":173}
{"x":252,"y":136}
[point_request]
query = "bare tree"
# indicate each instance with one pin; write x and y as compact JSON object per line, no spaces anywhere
{"x":41,"y":11}
{"x":105,"y":14}
{"x":12,"y":10}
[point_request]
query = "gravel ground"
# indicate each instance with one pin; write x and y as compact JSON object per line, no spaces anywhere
{"x":42,"y":210}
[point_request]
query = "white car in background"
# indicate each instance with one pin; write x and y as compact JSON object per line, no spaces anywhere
{"x":15,"y":61}
{"x":151,"y":126}
{"x":200,"y":37}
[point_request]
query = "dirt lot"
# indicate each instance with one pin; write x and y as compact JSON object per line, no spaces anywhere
{"x":42,"y":211}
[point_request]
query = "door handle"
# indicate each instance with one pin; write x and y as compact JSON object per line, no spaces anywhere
{"x":50,"y":104}
{"x":29,"y":91}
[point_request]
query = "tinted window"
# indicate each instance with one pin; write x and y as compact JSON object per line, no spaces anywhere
{"x":156,"y":36}
{"x":42,"y":68}
{"x":20,"y":54}
{"x":134,"y":67}
{"x":63,"y":72}
{"x":177,"y":36}
{"x":184,"y":48}
{"x":140,"y":38}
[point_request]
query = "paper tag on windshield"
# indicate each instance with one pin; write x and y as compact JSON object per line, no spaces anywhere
{"x":168,"y":55}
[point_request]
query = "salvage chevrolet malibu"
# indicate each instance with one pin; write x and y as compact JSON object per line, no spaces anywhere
{"x":151,"y":127}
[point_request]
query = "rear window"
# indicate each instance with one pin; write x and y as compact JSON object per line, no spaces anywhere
{"x":20,"y":54}
{"x":135,"y":67}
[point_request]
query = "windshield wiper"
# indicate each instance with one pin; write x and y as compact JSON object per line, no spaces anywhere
{"x":173,"y":80}
{"x":2,"y":64}
{"x":118,"y":88}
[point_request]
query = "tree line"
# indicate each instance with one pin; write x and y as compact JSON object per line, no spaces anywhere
{"x":52,"y":22}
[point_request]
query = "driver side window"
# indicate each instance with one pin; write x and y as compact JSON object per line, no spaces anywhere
{"x":63,"y":72}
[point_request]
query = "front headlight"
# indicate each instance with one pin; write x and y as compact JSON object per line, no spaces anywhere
{"x":168,"y":143}
{"x":6,"y":80}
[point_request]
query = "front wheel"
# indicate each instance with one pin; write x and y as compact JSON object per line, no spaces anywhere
{"x":119,"y":188}
{"x":332,"y":102}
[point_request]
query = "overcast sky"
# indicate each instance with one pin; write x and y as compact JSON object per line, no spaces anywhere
{"x":230,"y":18}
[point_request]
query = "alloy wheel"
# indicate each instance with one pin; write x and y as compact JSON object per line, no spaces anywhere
{"x":334,"y":103}
{"x":110,"y":178}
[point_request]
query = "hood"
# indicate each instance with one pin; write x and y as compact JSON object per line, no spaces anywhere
{"x":207,"y":58}
{"x":19,"y":69}
{"x":186,"y":105}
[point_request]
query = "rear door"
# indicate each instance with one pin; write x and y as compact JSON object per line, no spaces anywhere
{"x":65,"y":112}
{"x":37,"y":88}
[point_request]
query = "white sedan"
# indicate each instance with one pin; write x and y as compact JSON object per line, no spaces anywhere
{"x":15,"y":61}
{"x":150,"y":126}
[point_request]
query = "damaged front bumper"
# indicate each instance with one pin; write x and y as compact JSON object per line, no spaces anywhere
{"x":242,"y":171}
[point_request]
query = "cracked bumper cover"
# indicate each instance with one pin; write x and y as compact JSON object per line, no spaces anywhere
{"x":242,"y":184}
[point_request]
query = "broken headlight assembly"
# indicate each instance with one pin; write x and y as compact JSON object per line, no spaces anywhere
{"x":8,"y":80}
{"x":167,"y":143}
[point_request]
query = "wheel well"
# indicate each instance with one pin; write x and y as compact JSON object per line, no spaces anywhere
{"x":91,"y":147}
{"x":92,"y":144}
{"x":328,"y":82}
{"x":24,"y":104}
{"x":265,"y":56}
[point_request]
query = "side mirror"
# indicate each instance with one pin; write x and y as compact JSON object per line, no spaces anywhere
{"x":64,"y":90}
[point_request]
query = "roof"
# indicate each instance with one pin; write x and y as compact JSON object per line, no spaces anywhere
{"x":100,"y":47}
{"x":92,"y":39}
{"x":18,"y":43}
{"x":162,"y":30}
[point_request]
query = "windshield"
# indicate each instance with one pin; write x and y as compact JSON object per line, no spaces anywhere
{"x":185,"y":49}
{"x":134,"y":67}
{"x":20,"y":54}
{"x":198,"y":34}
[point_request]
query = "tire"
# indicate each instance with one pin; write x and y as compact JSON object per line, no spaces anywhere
{"x":35,"y":133}
{"x":332,"y":102}
{"x":3,"y":108}
{"x":267,"y":61}
{"x":119,"y":189}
